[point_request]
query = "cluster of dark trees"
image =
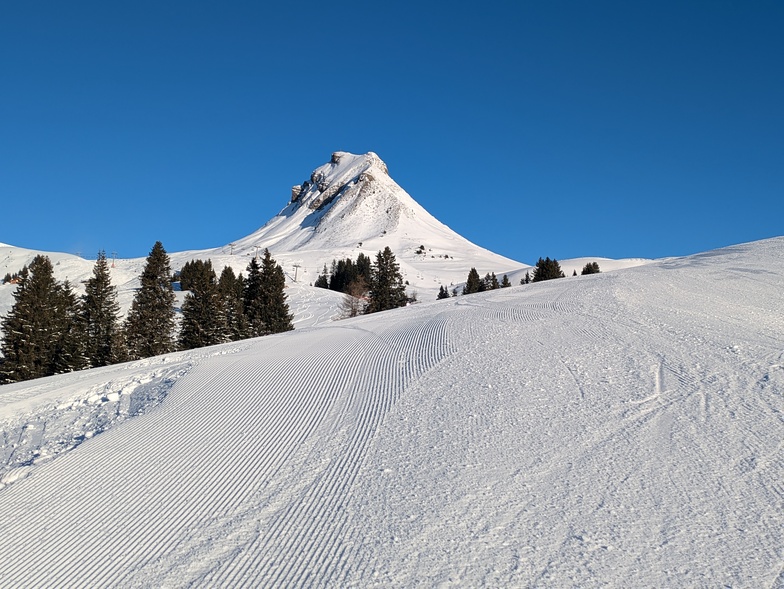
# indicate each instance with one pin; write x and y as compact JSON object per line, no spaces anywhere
{"x":50,"y":330}
{"x":15,"y":277}
{"x":591,"y":268}
{"x":369,"y":287}
{"x":545,"y":269}
{"x":476,"y":284}
{"x":347,"y":276}
{"x":489,"y":282}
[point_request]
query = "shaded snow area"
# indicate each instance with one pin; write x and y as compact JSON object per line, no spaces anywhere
{"x":614,"y":430}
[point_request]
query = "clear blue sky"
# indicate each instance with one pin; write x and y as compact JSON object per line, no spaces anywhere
{"x":561,"y":129}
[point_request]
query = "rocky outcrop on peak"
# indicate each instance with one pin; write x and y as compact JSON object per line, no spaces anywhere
{"x":329,"y":181}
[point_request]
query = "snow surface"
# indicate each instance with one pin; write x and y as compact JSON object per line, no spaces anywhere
{"x":614,"y":430}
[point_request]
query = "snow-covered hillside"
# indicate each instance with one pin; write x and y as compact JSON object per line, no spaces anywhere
{"x":614,"y":430}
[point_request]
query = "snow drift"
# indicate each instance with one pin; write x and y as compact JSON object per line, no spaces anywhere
{"x":608,"y":430}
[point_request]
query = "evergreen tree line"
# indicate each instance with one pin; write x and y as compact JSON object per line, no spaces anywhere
{"x":49,"y":330}
{"x":545,"y":269}
{"x":347,"y":276}
{"x":476,"y":284}
{"x":369,"y":287}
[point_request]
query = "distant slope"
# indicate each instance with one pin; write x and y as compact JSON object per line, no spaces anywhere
{"x":595,"y":431}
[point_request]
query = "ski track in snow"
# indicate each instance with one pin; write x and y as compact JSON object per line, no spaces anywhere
{"x":614,"y":430}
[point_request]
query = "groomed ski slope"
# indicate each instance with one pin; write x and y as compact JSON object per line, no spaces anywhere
{"x":614,"y":430}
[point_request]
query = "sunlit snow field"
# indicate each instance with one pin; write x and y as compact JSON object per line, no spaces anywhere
{"x":617,"y":430}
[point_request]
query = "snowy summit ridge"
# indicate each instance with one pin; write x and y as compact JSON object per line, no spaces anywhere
{"x":348,"y":201}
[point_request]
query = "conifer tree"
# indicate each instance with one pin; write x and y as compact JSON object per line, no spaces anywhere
{"x":443,"y":293}
{"x":277,"y":317}
{"x":364,"y":268}
{"x":387,"y":290}
{"x":591,"y":268}
{"x":473,"y":282}
{"x":195,"y":272}
{"x":39,"y":326}
{"x":322,"y":280}
{"x":505,"y":282}
{"x":149,"y":328}
{"x":230,"y":288}
{"x":203,"y":317}
{"x":492,"y":283}
{"x":99,"y":316}
{"x":69,"y":340}
{"x":264,"y":299}
{"x":547,"y":269}
{"x":251,"y":299}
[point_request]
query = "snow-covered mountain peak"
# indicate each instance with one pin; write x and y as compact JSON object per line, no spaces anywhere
{"x":351,"y":205}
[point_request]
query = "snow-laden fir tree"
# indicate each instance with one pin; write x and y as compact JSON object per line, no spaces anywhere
{"x":203,"y":316}
{"x":505,"y":282}
{"x":149,"y":328}
{"x":99,"y":314}
{"x":387,"y":290}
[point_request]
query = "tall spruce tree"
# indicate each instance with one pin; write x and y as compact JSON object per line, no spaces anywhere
{"x":251,"y":299}
{"x":149,"y":328}
{"x":99,"y":315}
{"x":505,"y":282}
{"x":276,"y":316}
{"x":473,"y":282}
{"x":69,"y":343}
{"x":230,"y":288}
{"x":387,"y":290}
{"x":194,"y":272}
{"x":547,"y":269}
{"x":203,"y":317}
{"x":41,"y":335}
{"x":265,"y":300}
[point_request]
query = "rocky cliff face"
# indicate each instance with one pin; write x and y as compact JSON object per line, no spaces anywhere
{"x":328,"y":182}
